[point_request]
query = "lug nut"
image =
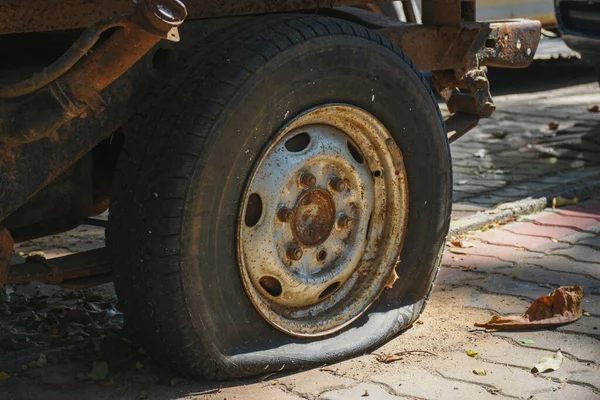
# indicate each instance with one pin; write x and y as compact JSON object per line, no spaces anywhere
{"x":285,"y":214}
{"x":337,"y":184}
{"x":294,"y":252}
{"x":308,"y":180}
{"x":343,"y":221}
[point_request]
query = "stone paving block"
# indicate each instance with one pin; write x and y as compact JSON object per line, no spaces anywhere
{"x":421,"y":384}
{"x":373,"y":391}
{"x":497,"y":303}
{"x":482,"y":263}
{"x":254,"y":392}
{"x":505,"y":285}
{"x":581,"y":253}
{"x":531,"y":229}
{"x":590,"y":206}
{"x":583,"y":213}
{"x":560,"y":263}
{"x":584,"y":348}
{"x":513,"y":381}
{"x":542,"y":276}
{"x":588,"y":378}
{"x":508,"y":254}
{"x":457,"y":277}
{"x":499,"y":351}
{"x":531,"y":243}
{"x":568,"y":392}
{"x":584,"y":325}
{"x":560,"y":220}
{"x":314,"y":382}
{"x":593,"y":241}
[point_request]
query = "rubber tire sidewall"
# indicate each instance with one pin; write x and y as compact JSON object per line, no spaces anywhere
{"x":333,"y":69}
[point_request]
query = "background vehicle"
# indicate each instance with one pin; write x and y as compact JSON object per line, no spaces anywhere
{"x":278,"y":174}
{"x":542,"y":10}
{"x":579,"y":24}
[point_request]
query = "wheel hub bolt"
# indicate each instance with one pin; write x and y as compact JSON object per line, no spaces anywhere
{"x":285,"y":214}
{"x":343,"y":221}
{"x":337,"y":184}
{"x":308,"y":180}
{"x":294,"y":252}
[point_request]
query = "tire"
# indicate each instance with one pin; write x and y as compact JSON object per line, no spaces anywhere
{"x":181,"y":180}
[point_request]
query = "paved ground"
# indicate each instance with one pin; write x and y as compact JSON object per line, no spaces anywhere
{"x":507,"y":267}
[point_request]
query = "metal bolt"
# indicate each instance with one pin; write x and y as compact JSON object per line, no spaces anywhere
{"x":308,"y":180}
{"x":343,"y":221}
{"x":337,"y":184}
{"x":294,"y":252}
{"x":285,"y":214}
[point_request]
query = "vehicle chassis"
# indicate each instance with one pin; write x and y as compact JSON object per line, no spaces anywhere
{"x":51,"y":123}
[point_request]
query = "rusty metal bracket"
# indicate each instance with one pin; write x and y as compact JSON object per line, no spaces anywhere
{"x":60,"y":270}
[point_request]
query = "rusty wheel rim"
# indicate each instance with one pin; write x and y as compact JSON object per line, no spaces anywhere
{"x":322,"y":221}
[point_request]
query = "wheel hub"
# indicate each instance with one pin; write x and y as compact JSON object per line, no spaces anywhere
{"x":314,"y":217}
{"x":322,"y":221}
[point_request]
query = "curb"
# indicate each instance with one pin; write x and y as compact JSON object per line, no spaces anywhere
{"x":507,"y":211}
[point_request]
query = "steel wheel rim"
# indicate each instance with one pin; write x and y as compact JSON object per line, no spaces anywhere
{"x":322,"y":221}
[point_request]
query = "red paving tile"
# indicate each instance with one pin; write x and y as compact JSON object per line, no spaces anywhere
{"x":529,"y":228}
{"x":472,"y":260}
{"x":580,"y":213}
{"x":505,"y":253}
{"x":569,"y":222}
{"x":504,"y":238}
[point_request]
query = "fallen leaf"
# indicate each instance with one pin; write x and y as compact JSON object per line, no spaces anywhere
{"x":99,"y":371}
{"x":393,"y":278}
{"x":472,"y":353}
{"x":139,"y":365}
{"x":453,"y":250}
{"x":480,"y":372}
{"x":366,"y":393}
{"x":463,"y":244}
{"x":419,"y":322}
{"x":561,"y":307}
{"x":560,"y":201}
{"x":554,"y":240}
{"x":494,"y":391}
{"x":467,"y":268}
{"x":37,"y":253}
{"x":594,"y":108}
{"x":389,"y":358}
{"x":526,"y":341}
{"x":550,"y":363}
{"x":553,"y":125}
{"x":4,"y":376}
{"x":586,"y":314}
{"x":463,"y":182}
{"x":499,"y":134}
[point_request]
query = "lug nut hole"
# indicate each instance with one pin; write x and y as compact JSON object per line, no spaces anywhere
{"x":298,"y":142}
{"x":377,"y":174}
{"x":355,"y":153}
{"x":329,"y":291}
{"x":254,"y":210}
{"x":322,"y":255}
{"x":271,"y":285}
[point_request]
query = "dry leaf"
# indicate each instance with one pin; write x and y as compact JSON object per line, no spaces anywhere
{"x":526,"y":341}
{"x":472,"y":353}
{"x":389,"y":358}
{"x":366,"y":393}
{"x":393,"y":278}
{"x":553,"y":125}
{"x":586,"y":314}
{"x":4,"y":376}
{"x":480,"y":372}
{"x":594,"y":108}
{"x":561,"y":307}
{"x":463,"y":244}
{"x":467,"y":268}
{"x":550,"y":363}
{"x":453,"y":250}
{"x":554,"y":240}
